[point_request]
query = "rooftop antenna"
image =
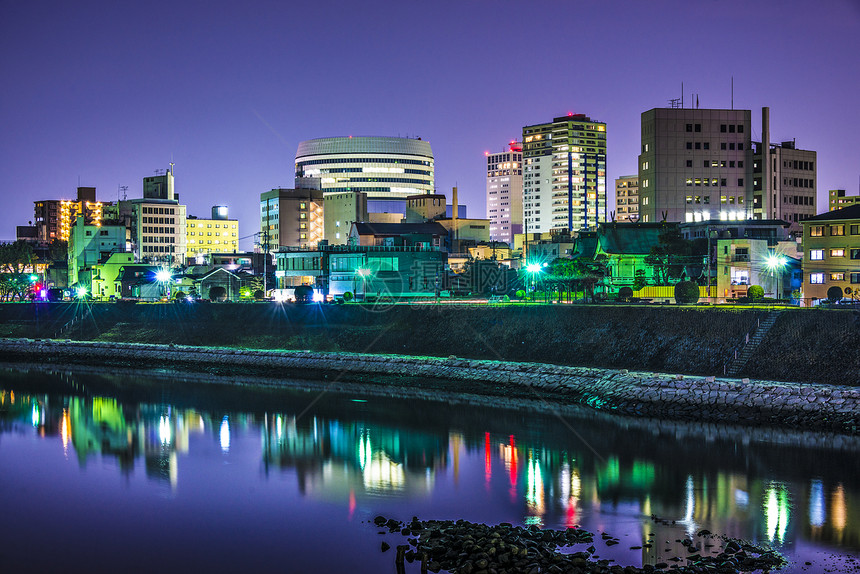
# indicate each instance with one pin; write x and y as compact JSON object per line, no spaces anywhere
{"x":733,"y":92}
{"x":675,"y":103}
{"x":171,"y":167}
{"x":122,"y":188}
{"x":682,"y":95}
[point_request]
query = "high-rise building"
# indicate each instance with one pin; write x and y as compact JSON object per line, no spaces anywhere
{"x":564,"y":174}
{"x":342,"y":209}
{"x":784,"y":187}
{"x":54,"y":217}
{"x":157,"y":223}
{"x":695,"y":165}
{"x":505,"y":193}
{"x":291,"y":218}
{"x":220,"y":234}
{"x":387,"y":169}
{"x":627,"y":198}
{"x":837,"y":199}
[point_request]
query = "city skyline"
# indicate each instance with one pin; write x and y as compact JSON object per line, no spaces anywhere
{"x":105,"y":95}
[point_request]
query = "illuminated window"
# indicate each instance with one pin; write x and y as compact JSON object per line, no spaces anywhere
{"x":816,"y":278}
{"x":816,"y":254}
{"x":816,"y":231}
{"x":837,"y":253}
{"x":836,"y":230}
{"x":837,"y":276}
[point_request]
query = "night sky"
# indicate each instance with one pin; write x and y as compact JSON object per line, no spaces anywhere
{"x":103,"y":94}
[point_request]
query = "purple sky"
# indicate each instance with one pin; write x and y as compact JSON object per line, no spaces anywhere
{"x":105,"y":93}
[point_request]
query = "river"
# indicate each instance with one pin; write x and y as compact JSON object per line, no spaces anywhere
{"x":153,"y":471}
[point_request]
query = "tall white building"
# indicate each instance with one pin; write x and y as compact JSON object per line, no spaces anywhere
{"x":387,"y":169}
{"x":564,"y":174}
{"x":505,"y":193}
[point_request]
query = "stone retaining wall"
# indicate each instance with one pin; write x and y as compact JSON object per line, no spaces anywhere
{"x":639,"y":394}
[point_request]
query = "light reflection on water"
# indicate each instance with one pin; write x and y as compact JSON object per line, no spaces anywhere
{"x":348,"y":460}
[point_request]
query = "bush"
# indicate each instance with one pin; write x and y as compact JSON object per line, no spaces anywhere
{"x":834,"y":294}
{"x":259,"y":295}
{"x":686,"y":292}
{"x":217,"y":293}
{"x":179,"y":295}
{"x":520,"y":294}
{"x":625,"y":293}
{"x":755,"y":292}
{"x":347,"y":296}
{"x":304,"y":293}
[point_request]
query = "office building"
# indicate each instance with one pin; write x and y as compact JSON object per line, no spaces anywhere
{"x":220,"y":234}
{"x":54,"y":217}
{"x":342,"y":209}
{"x":784,"y":187}
{"x":505,"y":193}
{"x":387,"y":169}
{"x":695,"y":165}
{"x":564,"y":174}
{"x":627,"y":199}
{"x":831,"y":254}
{"x":157,"y":223}
{"x":291,"y":218}
{"x":837,"y":199}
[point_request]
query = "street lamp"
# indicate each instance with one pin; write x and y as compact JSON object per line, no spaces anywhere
{"x":534,"y":269}
{"x":775,"y":264}
{"x":81,"y":292}
{"x":164,"y":276}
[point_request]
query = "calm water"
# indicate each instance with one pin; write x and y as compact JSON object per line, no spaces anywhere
{"x":143,"y":473}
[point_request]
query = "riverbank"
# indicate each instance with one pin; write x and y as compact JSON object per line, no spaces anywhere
{"x":635,"y":394}
{"x":807,"y":346}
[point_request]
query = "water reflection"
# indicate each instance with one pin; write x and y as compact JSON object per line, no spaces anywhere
{"x":364,"y":452}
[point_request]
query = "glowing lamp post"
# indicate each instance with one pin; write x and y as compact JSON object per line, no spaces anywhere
{"x":775,"y":264}
{"x":164,"y":276}
{"x":81,"y":292}
{"x":364,"y":274}
{"x":534,"y":270}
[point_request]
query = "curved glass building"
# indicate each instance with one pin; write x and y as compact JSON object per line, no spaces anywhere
{"x":385,"y":168}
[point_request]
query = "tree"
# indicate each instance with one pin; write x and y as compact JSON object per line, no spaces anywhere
{"x":625,"y":293}
{"x":686,"y":292}
{"x":16,"y":263}
{"x":755,"y":293}
{"x":347,"y":296}
{"x":834,"y":294}
{"x":670,"y":256}
{"x":581,"y":273}
{"x":217,"y":293}
{"x":639,"y":282}
{"x":304,"y":293}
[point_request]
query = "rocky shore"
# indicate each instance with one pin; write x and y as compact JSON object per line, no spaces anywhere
{"x":636,"y":394}
{"x":464,"y":547}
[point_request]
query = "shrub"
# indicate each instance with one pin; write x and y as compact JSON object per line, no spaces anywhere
{"x":179,"y":295}
{"x":834,"y":294}
{"x":520,"y":294}
{"x":686,"y":292}
{"x":304,"y":293}
{"x":755,"y":292}
{"x":259,"y":295}
{"x":347,"y":296}
{"x":217,"y":293}
{"x":625,"y":293}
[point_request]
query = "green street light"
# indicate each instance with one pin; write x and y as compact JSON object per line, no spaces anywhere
{"x":81,"y":292}
{"x":34,"y":278}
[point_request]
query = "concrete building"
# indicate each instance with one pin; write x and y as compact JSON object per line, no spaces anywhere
{"x":431,"y":235}
{"x":423,"y":208}
{"x":157,"y":223}
{"x":837,"y":199}
{"x":505,"y":193}
{"x":744,"y":261}
{"x":627,"y":199}
{"x":342,"y":209}
{"x":387,"y":169}
{"x":695,"y":164}
{"x":292,"y":217}
{"x":54,"y":217}
{"x":220,"y":234}
{"x":91,"y":244}
{"x":784,"y":187}
{"x":564,"y":174}
{"x":831,"y":253}
{"x":392,"y":271}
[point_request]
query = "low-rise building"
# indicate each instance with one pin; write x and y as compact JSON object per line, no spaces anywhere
{"x":831,"y":254}
{"x":837,"y":199}
{"x":216,"y":235}
{"x":90,"y":244}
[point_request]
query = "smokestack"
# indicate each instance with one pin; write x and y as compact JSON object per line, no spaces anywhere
{"x":454,"y":209}
{"x":766,"y":176}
